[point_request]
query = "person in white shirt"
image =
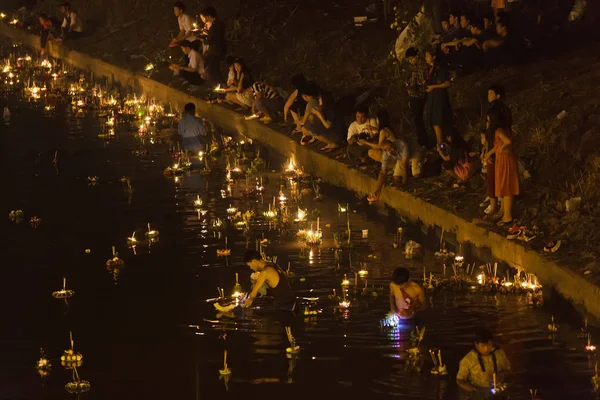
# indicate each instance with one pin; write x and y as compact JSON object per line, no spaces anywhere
{"x":363,"y":128}
{"x":192,"y":72}
{"x":71,"y":27}
{"x":186,"y":27}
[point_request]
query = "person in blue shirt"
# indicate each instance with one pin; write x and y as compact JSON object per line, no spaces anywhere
{"x":191,"y":129}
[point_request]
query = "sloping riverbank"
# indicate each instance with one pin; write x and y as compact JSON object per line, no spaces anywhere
{"x":575,"y":287}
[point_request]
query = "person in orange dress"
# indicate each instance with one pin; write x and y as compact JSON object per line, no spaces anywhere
{"x":506,"y":169}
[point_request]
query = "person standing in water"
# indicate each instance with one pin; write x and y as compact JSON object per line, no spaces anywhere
{"x":278,"y":285}
{"x":477,"y":369}
{"x":406,"y":297}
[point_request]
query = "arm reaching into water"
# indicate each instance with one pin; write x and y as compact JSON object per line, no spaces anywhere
{"x":262,"y":278}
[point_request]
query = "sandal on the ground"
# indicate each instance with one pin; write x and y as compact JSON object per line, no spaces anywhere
{"x":307,"y":139}
{"x":552,"y":246}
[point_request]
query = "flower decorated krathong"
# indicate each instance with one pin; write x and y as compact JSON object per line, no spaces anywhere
{"x":43,"y":365}
{"x":70,"y":359}
{"x":391,"y":320}
{"x":77,"y":386}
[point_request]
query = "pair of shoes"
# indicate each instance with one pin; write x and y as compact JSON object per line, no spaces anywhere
{"x":552,"y":246}
{"x":489,"y":210}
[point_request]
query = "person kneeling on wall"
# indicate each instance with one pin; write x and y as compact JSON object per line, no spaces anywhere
{"x":191,"y":73}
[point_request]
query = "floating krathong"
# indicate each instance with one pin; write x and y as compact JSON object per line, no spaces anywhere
{"x":438,"y":366}
{"x":132,"y":241}
{"x":224,"y":252}
{"x":497,"y":387}
{"x":115,"y":262}
{"x":43,"y":365}
{"x":46,"y":64}
{"x":344,"y":304}
{"x":237,"y":289}
{"x":301,"y":215}
{"x":345,"y":281}
{"x":294,"y":348}
{"x":218,"y":89}
{"x":198,"y":202}
{"x":363,"y":273}
{"x":35,"y":221}
{"x":391,"y":320}
{"x":232,"y":210}
{"x":71,"y":359}
{"x":151,"y":232}
{"x":590,"y":348}
{"x":77,"y":386}
{"x":149,"y":67}
{"x":63,"y":293}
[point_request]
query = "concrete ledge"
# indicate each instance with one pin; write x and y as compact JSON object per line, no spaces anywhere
{"x":584,"y":295}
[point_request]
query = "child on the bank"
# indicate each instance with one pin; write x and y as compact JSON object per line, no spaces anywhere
{"x":406,"y":297}
{"x":476,"y":370}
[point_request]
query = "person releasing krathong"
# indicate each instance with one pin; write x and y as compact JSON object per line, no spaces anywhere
{"x":406,"y":297}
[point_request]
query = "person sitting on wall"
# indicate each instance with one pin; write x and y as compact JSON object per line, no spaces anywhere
{"x":186,"y":27}
{"x":295,"y":104}
{"x":72,"y":26}
{"x":457,"y":163}
{"x":406,"y":297}
{"x":240,"y":92}
{"x":322,"y":119}
{"x":191,"y":73}
{"x":49,"y":31}
{"x":267,"y":102}
{"x":365,"y":129}
{"x":385,"y":133}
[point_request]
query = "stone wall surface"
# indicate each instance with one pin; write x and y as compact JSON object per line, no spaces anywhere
{"x":584,"y":295}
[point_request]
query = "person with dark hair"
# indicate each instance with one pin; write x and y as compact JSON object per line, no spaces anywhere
{"x":362,"y":128}
{"x":295,"y":104}
{"x":322,"y":119}
{"x":406,"y":297}
{"x":385,"y":133}
{"x":398,"y":153}
{"x":72,"y":27}
{"x":191,"y":130}
{"x":506,"y":169}
{"x":457,"y":163}
{"x":241,"y":92}
{"x":278,"y":285}
{"x":191,"y":73}
{"x":274,"y":277}
{"x":438,"y":113}
{"x":477,"y":369}
{"x":216,"y":44}
{"x":417,"y":91}
{"x":49,"y":31}
{"x":186,"y":27}
{"x":495,"y":98}
{"x":267,"y":102}
{"x":504,"y":48}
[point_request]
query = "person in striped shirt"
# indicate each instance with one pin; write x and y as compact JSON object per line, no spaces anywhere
{"x":267,"y":102}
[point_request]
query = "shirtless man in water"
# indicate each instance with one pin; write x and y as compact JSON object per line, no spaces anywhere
{"x":406,"y":297}
{"x":279,"y":286}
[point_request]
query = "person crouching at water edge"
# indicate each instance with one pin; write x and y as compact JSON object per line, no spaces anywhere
{"x":406,"y":297}
{"x":479,"y":371}
{"x":279,"y":287}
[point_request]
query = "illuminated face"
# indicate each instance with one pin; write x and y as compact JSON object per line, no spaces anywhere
{"x":412,"y":60}
{"x":186,"y":50}
{"x":464,"y":22}
{"x":492,"y":96}
{"x":386,"y":147}
{"x":64,"y":10}
{"x":361,"y":118}
{"x":453,"y":20}
{"x":485,"y":349}
{"x":203,"y":18}
{"x":445,"y":26}
{"x":177,"y":11}
{"x":429,"y":58}
{"x":254,"y":265}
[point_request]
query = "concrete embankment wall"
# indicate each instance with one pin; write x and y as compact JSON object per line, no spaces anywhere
{"x":584,"y":295}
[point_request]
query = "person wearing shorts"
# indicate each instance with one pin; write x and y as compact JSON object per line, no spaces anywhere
{"x":397,"y":152}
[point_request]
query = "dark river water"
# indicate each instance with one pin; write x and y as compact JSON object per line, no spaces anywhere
{"x":150,"y":333}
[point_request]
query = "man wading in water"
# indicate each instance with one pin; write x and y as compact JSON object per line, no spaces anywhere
{"x":406,"y":296}
{"x":279,"y":286}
